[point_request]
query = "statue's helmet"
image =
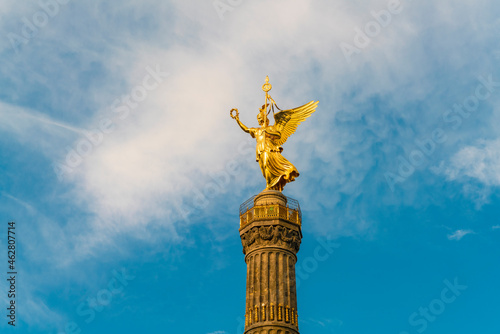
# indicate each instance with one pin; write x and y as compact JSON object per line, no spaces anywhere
{"x":262,"y":116}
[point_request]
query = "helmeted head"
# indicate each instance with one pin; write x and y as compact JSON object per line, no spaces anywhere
{"x":262,"y":117}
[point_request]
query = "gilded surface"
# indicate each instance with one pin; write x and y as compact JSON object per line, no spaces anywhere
{"x":277,"y":170}
{"x":252,"y":317}
{"x":269,"y":212}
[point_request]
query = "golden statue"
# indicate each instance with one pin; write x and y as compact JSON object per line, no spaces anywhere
{"x":277,"y":170}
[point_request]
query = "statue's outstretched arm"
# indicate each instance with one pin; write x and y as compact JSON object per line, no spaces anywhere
{"x":242,"y":126}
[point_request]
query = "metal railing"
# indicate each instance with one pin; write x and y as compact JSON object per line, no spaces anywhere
{"x":250,"y":212}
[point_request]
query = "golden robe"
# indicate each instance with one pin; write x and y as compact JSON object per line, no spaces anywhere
{"x":277,"y":170}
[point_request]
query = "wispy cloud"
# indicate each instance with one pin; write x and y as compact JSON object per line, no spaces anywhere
{"x":480,"y":161}
{"x":26,"y":205}
{"x":169,"y":147}
{"x":331,"y":323}
{"x":37,"y":130}
{"x":21,"y":119}
{"x":459,"y":234}
{"x":166,"y":150}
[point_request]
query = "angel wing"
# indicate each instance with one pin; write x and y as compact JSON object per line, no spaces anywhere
{"x":286,"y":121}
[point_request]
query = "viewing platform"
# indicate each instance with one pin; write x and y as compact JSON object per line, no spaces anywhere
{"x":289,"y":210}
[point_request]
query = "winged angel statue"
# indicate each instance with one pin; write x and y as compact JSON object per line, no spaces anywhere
{"x":277,"y":170}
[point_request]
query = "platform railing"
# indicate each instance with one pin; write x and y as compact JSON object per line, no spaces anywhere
{"x":250,"y":212}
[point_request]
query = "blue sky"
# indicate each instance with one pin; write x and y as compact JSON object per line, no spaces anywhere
{"x":124,"y":172}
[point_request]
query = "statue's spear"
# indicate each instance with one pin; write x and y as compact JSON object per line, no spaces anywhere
{"x":266,"y":88}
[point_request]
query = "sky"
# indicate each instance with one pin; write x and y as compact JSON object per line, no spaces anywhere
{"x":123,"y":171}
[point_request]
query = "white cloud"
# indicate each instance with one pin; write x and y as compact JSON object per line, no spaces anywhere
{"x":35,"y":128}
{"x":181,"y":133}
{"x":480,"y":161}
{"x":166,"y":150}
{"x":331,"y":323}
{"x":459,"y":234}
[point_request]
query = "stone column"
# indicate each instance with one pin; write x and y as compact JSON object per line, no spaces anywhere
{"x":270,"y":233}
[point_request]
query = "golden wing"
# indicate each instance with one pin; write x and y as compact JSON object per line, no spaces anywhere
{"x":286,"y":121}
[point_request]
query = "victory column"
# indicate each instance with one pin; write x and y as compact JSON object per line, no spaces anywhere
{"x":270,"y":224}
